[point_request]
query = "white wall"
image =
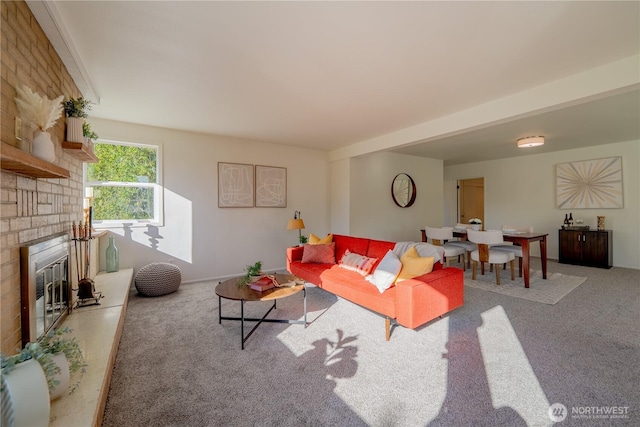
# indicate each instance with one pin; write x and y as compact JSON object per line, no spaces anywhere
{"x":207,"y":241}
{"x":374,"y":214}
{"x":347,"y":196}
{"x":340,"y":195}
{"x":521,"y":191}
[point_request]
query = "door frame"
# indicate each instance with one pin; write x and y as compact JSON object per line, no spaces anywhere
{"x":458,"y":197}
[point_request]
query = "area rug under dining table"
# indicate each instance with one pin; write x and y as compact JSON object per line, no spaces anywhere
{"x":548,"y":291}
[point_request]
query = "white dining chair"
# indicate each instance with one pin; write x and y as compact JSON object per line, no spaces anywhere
{"x":466,"y":244}
{"x":487,"y":253}
{"x":511,"y":247}
{"x":441,"y":237}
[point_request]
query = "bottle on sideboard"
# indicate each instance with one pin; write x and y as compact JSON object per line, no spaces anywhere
{"x":566,"y":220}
{"x":113,"y":261}
{"x":570,"y":219}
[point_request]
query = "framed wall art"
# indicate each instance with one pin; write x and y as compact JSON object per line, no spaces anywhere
{"x":271,"y":187}
{"x":590,"y":184}
{"x":235,"y":185}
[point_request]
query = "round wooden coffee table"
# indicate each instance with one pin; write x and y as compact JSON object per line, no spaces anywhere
{"x":229,"y":289}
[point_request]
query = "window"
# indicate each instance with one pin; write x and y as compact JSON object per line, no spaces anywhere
{"x":126,"y":184}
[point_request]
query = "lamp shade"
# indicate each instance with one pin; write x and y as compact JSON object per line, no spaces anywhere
{"x":295,"y":224}
{"x":530,"y":141}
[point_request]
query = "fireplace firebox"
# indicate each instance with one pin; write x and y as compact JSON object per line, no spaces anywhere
{"x":45,"y":285}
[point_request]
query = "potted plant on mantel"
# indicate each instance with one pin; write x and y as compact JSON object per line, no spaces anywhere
{"x":76,"y":110}
{"x":44,"y":113}
{"x":89,"y":135}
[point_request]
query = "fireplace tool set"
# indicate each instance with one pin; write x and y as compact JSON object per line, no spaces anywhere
{"x":82,"y":237}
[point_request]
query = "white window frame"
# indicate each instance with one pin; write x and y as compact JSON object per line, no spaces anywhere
{"x":158,"y":190}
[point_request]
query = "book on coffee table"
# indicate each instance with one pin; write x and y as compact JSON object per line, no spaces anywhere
{"x":263,"y":283}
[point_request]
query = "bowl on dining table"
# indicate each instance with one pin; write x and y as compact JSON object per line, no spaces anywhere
{"x":509,"y":230}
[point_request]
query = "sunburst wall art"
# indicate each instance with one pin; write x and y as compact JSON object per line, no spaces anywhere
{"x":590,"y":184}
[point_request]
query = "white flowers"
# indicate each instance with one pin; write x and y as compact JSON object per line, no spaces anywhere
{"x":475,"y":221}
{"x":40,"y":110}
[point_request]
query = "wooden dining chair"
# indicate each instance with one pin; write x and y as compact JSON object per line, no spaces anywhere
{"x":441,"y":237}
{"x":487,"y":253}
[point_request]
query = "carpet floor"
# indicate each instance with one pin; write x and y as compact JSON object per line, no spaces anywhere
{"x":497,"y":360}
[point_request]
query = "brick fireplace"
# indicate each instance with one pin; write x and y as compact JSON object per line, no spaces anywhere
{"x":30,"y":208}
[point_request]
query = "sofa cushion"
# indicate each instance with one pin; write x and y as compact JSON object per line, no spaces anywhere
{"x":319,"y":254}
{"x":315,"y":240}
{"x":378,"y":248}
{"x":386,"y":272}
{"x":413,"y":265}
{"x":357,"y":245}
{"x":358,"y":263}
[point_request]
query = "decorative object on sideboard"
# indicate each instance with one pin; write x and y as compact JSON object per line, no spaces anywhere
{"x":297,"y":224}
{"x":43,"y":112}
{"x":76,"y":111}
{"x":600,"y":223}
{"x":403,"y":190}
{"x":530,"y":141}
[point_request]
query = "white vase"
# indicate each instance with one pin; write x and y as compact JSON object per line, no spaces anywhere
{"x":476,"y":227}
{"x":74,"y":129}
{"x":27,"y":396}
{"x":63,"y":376}
{"x":42,"y":146}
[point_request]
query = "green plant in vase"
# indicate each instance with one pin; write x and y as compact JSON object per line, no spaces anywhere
{"x":88,"y":133}
{"x":76,"y":110}
{"x":303,"y":239}
{"x":44,"y":351}
{"x":252,"y":271}
{"x":77,"y":107}
{"x":54,"y":342}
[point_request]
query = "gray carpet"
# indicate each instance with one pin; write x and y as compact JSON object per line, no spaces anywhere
{"x":497,"y":360}
{"x":547,"y":291}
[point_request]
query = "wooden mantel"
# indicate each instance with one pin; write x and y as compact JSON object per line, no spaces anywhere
{"x":80,"y":151}
{"x":13,"y":159}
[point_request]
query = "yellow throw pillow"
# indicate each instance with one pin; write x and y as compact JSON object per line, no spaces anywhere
{"x":315,"y":240}
{"x":413,"y":265}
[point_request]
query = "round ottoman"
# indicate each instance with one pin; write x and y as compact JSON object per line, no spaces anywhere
{"x":158,"y":278}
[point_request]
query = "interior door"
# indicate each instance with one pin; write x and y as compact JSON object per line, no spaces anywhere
{"x":471,"y":199}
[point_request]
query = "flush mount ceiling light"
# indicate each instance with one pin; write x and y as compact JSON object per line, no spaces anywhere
{"x":530,"y":141}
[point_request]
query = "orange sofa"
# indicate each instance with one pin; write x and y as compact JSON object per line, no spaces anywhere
{"x":411,"y":303}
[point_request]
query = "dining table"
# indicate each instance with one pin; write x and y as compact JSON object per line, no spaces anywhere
{"x":524,"y":239}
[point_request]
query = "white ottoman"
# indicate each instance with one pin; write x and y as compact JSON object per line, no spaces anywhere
{"x":158,"y":278}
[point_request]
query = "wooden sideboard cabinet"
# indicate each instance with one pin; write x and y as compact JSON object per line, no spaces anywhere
{"x":586,"y":247}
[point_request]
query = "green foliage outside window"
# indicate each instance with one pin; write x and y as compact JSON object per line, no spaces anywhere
{"x":126,"y":172}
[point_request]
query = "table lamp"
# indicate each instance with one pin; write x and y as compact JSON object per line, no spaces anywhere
{"x":296,"y":224}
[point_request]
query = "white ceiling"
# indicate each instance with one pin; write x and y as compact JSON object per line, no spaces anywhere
{"x":331,"y":75}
